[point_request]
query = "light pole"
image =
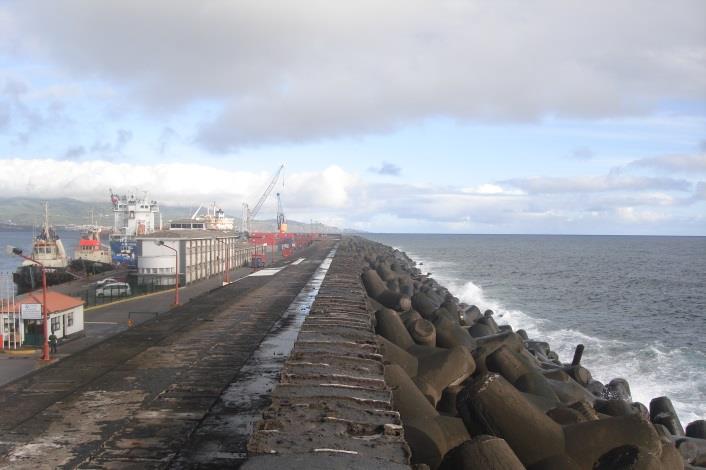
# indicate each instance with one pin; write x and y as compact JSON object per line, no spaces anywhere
{"x":45,"y":309}
{"x":176,"y":255}
{"x":225,"y":275}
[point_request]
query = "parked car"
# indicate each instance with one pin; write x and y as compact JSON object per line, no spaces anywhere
{"x":114,"y":289}
{"x":107,"y":280}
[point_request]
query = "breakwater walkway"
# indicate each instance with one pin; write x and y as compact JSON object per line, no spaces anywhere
{"x":134,"y":400}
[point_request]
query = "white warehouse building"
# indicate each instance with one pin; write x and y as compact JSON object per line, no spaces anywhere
{"x":201,"y":253}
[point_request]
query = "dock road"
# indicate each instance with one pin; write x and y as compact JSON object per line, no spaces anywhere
{"x":133,"y":400}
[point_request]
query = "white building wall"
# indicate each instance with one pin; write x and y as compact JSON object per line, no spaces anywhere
{"x":62,"y":320}
{"x":202,"y":258}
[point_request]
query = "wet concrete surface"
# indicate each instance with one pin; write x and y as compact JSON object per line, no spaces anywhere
{"x":135,"y":399}
{"x":332,"y":408}
{"x":220,"y":439}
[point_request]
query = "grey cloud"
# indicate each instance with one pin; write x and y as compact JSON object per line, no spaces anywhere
{"x":582,"y":153}
{"x":313,"y":70}
{"x":674,"y":163}
{"x":122,"y":138}
{"x":165,"y":139}
{"x":386,"y":168}
{"x":75,"y":152}
{"x":593,"y":184}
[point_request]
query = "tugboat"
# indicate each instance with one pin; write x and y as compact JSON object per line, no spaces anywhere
{"x":91,"y":257}
{"x":48,"y":250}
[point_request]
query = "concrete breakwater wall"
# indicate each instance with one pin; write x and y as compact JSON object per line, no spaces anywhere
{"x":469,"y":394}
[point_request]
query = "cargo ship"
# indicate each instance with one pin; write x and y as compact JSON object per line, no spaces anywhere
{"x":132,"y":217}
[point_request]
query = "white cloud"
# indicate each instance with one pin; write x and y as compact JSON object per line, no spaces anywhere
{"x":343,"y":198}
{"x":314,"y":69}
{"x":592,"y":184}
{"x":174,"y":184}
{"x":674,"y":163}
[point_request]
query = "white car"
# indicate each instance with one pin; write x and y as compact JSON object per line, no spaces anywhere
{"x":114,"y":289}
{"x":107,"y":280}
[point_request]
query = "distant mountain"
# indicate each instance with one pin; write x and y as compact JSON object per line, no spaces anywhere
{"x":23,"y":212}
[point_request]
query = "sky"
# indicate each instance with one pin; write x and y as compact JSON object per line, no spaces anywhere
{"x":451,"y":116}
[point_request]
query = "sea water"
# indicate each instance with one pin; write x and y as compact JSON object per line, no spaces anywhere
{"x":638,"y":304}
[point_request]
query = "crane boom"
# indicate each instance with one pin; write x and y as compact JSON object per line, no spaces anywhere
{"x":248,"y":214}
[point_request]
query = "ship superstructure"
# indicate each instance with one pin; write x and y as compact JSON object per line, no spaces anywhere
{"x":213,"y":219}
{"x":133,"y":216}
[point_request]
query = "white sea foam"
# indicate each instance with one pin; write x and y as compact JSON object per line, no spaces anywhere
{"x":651,"y":369}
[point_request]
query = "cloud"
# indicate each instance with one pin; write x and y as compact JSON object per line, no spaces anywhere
{"x":386,"y":169}
{"x":582,"y":153}
{"x":593,"y":184}
{"x":335,"y":194}
{"x":315,"y":70}
{"x":674,"y":163}
{"x":75,"y":151}
{"x":107,"y":149}
{"x":173,"y":184}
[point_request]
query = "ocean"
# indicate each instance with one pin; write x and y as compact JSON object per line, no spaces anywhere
{"x":638,"y":304}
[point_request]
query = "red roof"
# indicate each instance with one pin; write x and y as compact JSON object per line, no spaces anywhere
{"x":56,"y":301}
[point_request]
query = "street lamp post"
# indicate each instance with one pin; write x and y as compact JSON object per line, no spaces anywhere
{"x":225,"y":275}
{"x":45,"y":309}
{"x":176,"y":255}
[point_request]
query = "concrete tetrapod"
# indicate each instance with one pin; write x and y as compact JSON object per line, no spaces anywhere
{"x":423,"y":332}
{"x":696,"y":429}
{"x":482,"y":453}
{"x":662,"y":412}
{"x":520,"y":372}
{"x":429,"y":435}
{"x":450,"y":334}
{"x":491,"y":405}
{"x":616,"y":442}
{"x":432,"y":371}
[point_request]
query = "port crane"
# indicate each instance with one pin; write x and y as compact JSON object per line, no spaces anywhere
{"x":248,"y":214}
{"x":281,"y":219}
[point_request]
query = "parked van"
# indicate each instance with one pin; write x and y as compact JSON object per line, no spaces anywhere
{"x":114,"y":289}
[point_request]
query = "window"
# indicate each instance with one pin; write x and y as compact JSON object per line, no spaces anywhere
{"x":55,"y":324}
{"x":70,"y":319}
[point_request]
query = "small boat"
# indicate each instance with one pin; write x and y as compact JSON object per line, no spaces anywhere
{"x":48,"y":250}
{"x":92,"y":257}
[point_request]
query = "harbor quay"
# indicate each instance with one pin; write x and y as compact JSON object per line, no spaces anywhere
{"x":345,"y":355}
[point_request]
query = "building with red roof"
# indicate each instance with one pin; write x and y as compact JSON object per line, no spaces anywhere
{"x":23,"y":325}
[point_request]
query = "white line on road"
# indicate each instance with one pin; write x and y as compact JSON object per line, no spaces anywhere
{"x":266,"y":272}
{"x":101,"y":322}
{"x":298,"y":261}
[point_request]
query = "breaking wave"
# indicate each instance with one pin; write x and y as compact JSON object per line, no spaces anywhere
{"x":651,"y":369}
